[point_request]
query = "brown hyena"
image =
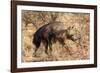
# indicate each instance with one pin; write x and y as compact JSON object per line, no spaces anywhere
{"x":47,"y":35}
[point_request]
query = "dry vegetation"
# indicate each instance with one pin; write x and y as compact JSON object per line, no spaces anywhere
{"x":32,"y":20}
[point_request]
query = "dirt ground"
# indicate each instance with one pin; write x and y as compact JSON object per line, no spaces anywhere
{"x":33,"y":20}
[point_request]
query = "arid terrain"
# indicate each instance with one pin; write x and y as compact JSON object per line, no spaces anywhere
{"x":33,"y":20}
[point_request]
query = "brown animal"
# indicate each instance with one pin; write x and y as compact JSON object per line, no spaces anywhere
{"x":47,"y":35}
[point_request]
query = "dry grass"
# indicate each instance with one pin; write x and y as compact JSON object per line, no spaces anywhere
{"x":32,"y":20}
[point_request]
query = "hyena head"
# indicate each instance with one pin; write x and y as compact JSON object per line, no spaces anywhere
{"x":73,"y":33}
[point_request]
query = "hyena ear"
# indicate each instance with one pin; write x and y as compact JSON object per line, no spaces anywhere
{"x":72,"y":27}
{"x":68,"y":28}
